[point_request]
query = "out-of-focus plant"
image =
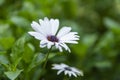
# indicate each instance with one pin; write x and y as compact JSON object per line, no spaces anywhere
{"x":98,"y":51}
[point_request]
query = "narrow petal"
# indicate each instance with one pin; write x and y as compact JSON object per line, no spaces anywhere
{"x":63,"y":65}
{"x":38,"y":28}
{"x":56,"y":45}
{"x":66,"y":72}
{"x":70,"y":74}
{"x":70,"y":36}
{"x":65,"y":46}
{"x":54,"y":25}
{"x":43,"y":43}
{"x":60,"y":48}
{"x":63,"y":31}
{"x":73,"y":42}
{"x":35,"y":26}
{"x":80,"y":73}
{"x":49,"y":44}
{"x":57,"y":66}
{"x":60,"y":71}
{"x":74,"y":74}
{"x":37,"y":35}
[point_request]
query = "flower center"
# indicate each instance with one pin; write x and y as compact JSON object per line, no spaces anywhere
{"x":52,"y":38}
{"x":67,"y":68}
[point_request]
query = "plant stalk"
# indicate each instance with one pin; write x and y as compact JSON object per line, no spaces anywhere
{"x":46,"y":59}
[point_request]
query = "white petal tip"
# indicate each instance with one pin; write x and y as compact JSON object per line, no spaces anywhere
{"x":30,"y":33}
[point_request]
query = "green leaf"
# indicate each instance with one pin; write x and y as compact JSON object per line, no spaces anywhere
{"x":20,"y":21}
{"x":3,"y":60}
{"x":114,"y":26}
{"x":37,"y":60}
{"x":17,"y":62}
{"x":6,"y":40}
{"x":107,"y":40}
{"x":111,"y":24}
{"x":12,"y":75}
{"x":88,"y":40}
{"x":18,"y":48}
{"x":1,"y":2}
{"x":103,"y":64}
{"x":28,"y":52}
{"x":3,"y":27}
{"x":3,"y":52}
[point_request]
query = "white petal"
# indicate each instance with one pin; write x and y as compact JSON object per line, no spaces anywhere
{"x":35,"y":26}
{"x":57,"y":66}
{"x":63,"y":65}
{"x":43,"y":43}
{"x":38,"y":28}
{"x":74,"y":74}
{"x":80,"y":73}
{"x":75,"y":70}
{"x":45,"y":24}
{"x":63,"y":31}
{"x":54,"y":25}
{"x":56,"y":45}
{"x":49,"y":44}
{"x":66,"y":72}
{"x":69,"y":73}
{"x":37,"y":35}
{"x":74,"y":42}
{"x":70,"y":36}
{"x":61,"y":44}
{"x":60,"y":48}
{"x":65,"y":46}
{"x":59,"y":72}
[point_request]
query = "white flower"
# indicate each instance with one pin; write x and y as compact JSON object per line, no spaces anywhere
{"x":67,"y":70}
{"x":47,"y":32}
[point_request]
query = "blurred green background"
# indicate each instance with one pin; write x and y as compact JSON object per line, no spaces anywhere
{"x":96,"y":21}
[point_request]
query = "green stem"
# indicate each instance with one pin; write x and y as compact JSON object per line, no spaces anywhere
{"x":46,"y":59}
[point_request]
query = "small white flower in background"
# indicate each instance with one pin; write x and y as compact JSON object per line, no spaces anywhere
{"x":47,"y":31}
{"x":67,"y":70}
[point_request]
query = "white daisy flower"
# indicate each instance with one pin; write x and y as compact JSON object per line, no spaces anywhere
{"x":47,"y":32}
{"x":67,"y":70}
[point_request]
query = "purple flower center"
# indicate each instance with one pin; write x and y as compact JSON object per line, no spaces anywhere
{"x":68,"y":68}
{"x":52,"y":38}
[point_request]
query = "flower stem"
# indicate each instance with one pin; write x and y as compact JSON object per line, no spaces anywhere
{"x":46,"y":59}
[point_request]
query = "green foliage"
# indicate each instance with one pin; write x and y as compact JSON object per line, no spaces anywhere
{"x":37,"y":59}
{"x":12,"y":75}
{"x":3,"y":59}
{"x":98,"y":51}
